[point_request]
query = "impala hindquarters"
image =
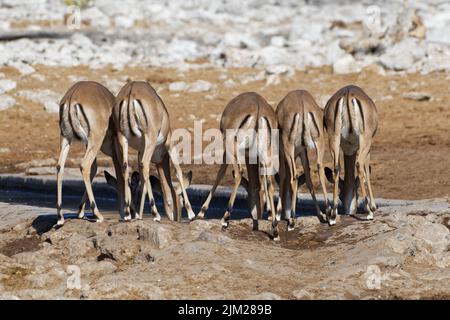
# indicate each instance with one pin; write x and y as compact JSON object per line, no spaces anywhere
{"x":142,"y":121}
{"x":84,"y":116}
{"x":246,"y":124}
{"x":351,"y":120}
{"x":300,"y":121}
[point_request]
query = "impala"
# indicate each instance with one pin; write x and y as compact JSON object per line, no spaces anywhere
{"x":84,"y":116}
{"x":248,"y":112}
{"x":142,"y":122}
{"x":300,"y":121}
{"x":351,"y":120}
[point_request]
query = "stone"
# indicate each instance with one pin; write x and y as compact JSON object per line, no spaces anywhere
{"x":24,"y":68}
{"x":7,"y":85}
{"x":436,"y":235}
{"x":403,"y":55}
{"x":264,"y":296}
{"x":51,"y":106}
{"x":214,"y":237}
{"x":200,"y":86}
{"x":124,"y":22}
{"x":417,"y":96}
{"x":278,"y":41}
{"x":178,"y":86}
{"x":40,"y":171}
{"x":346,"y":64}
{"x":37,"y":163}
{"x":302,"y":294}
{"x":6,"y":102}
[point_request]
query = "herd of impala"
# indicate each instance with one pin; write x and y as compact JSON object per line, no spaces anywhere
{"x":137,"y":117}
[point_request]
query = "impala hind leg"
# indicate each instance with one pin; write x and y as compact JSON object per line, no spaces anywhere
{"x":367,"y":170}
{"x":220,"y":175}
{"x":86,"y":165}
{"x":146,"y":188}
{"x":254,"y":196}
{"x":65,"y":147}
{"x":172,"y":205}
{"x":125,"y":170}
{"x":307,"y":171}
{"x":335,"y":148}
{"x":238,"y":171}
{"x":84,"y":198}
{"x":360,"y":168}
{"x":321,"y":169}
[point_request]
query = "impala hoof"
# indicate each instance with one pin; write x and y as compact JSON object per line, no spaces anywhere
{"x":277,"y":238}
{"x":332,"y":222}
{"x":60,"y":222}
{"x":224,"y":223}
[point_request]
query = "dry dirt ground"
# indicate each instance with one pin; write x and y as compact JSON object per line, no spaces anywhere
{"x":410,"y":152}
{"x":402,"y":254}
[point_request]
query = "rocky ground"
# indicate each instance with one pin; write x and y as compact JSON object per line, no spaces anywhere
{"x":402,"y":254}
{"x":198,"y":55}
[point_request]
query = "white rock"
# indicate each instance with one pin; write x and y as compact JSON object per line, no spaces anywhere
{"x":229,"y":83}
{"x":24,"y":69}
{"x":6,"y":101}
{"x":178,"y":86}
{"x":280,"y":69}
{"x":7,"y":85}
{"x":200,"y":86}
{"x":278,"y":41}
{"x":51,"y":106}
{"x":346,"y":64}
{"x":272,"y":79}
{"x":124,"y":22}
{"x":403,"y":55}
{"x":302,"y":294}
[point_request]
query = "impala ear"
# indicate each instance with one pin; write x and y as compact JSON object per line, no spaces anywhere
{"x":301,"y":180}
{"x":329,"y":174}
{"x":110,"y":180}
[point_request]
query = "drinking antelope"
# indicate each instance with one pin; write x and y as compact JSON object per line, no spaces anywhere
{"x":300,"y":121}
{"x":351,"y":120}
{"x":142,"y":121}
{"x":248,"y":112}
{"x":84,"y":116}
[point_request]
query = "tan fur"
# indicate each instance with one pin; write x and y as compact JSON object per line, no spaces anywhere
{"x":246,"y":111}
{"x":85,"y":112}
{"x":300,"y":121}
{"x":351,"y":119}
{"x":142,"y":121}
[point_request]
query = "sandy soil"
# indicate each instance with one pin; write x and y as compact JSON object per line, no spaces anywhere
{"x":410,"y":152}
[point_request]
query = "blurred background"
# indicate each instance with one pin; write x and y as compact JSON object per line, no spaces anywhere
{"x":199,"y":54}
